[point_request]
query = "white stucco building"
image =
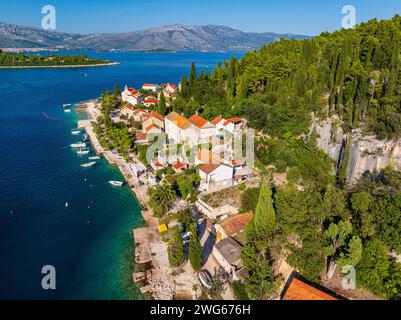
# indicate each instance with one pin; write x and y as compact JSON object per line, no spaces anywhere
{"x":215,"y":176}
{"x":180,"y":130}
{"x":132,"y":96}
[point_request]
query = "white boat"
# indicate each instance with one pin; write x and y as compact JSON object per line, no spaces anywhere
{"x":94,"y":158}
{"x":75,"y":132}
{"x":67,"y":105}
{"x":83,"y":152}
{"x":78,"y":145}
{"x":87,"y":165}
{"x":67,"y":110}
{"x":116,"y":183}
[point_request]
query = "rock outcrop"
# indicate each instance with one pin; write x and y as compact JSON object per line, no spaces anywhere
{"x":367,"y":153}
{"x":372,"y":155}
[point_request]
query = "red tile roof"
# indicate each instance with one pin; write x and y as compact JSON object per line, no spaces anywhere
{"x":179,"y":120}
{"x":216,"y":120}
{"x":208,"y":168}
{"x":235,"y":224}
{"x":234,"y":120}
{"x":151,"y":101}
{"x":141,"y":136}
{"x":198,"y":121}
{"x":137,"y":111}
{"x":179,"y":165}
{"x":127,"y":106}
{"x":299,"y":290}
{"x":158,"y":164}
{"x":152,"y":126}
{"x":154,"y":114}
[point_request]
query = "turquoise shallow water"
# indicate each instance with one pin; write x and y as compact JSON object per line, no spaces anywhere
{"x":89,"y":243}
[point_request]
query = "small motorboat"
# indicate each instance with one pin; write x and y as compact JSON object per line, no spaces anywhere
{"x":78,"y":145}
{"x":75,"y":132}
{"x":83,"y":152}
{"x":67,"y":105}
{"x":116,"y":183}
{"x":88,"y":165}
{"x":85,"y":137}
{"x":94,"y":158}
{"x":67,"y":110}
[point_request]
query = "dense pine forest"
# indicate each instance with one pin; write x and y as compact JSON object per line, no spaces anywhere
{"x":30,"y":60}
{"x":314,"y":220}
{"x":353,"y":73}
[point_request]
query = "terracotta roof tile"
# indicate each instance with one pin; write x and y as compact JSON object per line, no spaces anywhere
{"x":198,"y":121}
{"x":208,"y":168}
{"x":216,"y":120}
{"x":235,"y":224}
{"x":154,"y":114}
{"x":179,"y":120}
{"x":299,"y":290}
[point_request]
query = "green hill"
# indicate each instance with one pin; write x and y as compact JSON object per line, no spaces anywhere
{"x":352,"y":73}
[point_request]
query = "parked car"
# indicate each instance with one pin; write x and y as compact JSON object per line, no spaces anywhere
{"x":205,"y":279}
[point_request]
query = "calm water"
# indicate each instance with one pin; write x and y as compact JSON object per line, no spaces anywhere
{"x":90,"y":242}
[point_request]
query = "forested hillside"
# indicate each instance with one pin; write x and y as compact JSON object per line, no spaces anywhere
{"x":314,"y":220}
{"x":353,"y":73}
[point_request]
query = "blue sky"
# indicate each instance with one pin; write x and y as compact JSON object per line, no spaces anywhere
{"x":282,"y":16}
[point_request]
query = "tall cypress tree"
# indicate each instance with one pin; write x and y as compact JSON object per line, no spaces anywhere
{"x":184,"y":87}
{"x":192,"y":76}
{"x":265,"y":215}
{"x":195,"y":251}
{"x":162,"y":105}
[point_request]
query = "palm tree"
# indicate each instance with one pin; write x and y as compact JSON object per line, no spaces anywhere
{"x":164,"y":195}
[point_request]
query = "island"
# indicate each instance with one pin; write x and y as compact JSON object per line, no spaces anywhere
{"x":20,"y":60}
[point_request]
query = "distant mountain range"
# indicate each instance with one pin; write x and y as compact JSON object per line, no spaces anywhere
{"x":173,"y":38}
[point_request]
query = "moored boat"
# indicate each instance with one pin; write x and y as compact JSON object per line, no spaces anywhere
{"x":94,"y":158}
{"x":78,"y":145}
{"x":87,"y":165}
{"x":85,"y":137}
{"x":75,"y":132}
{"x":116,"y":183}
{"x":83,"y":152}
{"x":65,"y":105}
{"x":67,"y":110}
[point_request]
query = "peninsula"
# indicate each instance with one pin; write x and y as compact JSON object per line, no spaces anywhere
{"x":20,"y":60}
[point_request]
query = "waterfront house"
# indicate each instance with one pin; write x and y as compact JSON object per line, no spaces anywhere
{"x":215,"y":176}
{"x":150,"y":87}
{"x":153,"y":118}
{"x":203,"y":128}
{"x":131,"y":96}
{"x":228,"y":254}
{"x":138,"y":169}
{"x":180,"y":130}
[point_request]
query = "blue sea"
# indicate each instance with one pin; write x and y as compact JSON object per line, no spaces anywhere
{"x":90,"y":242}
